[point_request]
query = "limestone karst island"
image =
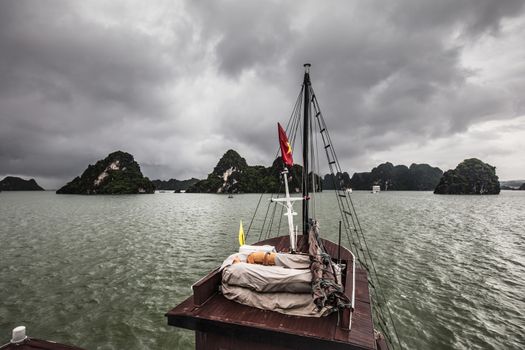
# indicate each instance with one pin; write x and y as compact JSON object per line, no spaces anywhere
{"x":118,"y":173}
{"x":471,"y":176}
{"x":232,"y":174}
{"x":13,"y":183}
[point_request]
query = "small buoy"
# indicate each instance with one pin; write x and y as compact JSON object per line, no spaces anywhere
{"x":19,"y":335}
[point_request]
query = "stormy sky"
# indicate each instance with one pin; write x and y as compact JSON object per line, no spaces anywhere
{"x":177,"y":83}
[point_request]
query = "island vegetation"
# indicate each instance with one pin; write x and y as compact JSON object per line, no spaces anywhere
{"x":472,"y":176}
{"x":174,"y":184}
{"x":118,"y":173}
{"x":233,"y":175}
{"x":512,"y":185}
{"x":13,"y":183}
{"x":417,"y":177}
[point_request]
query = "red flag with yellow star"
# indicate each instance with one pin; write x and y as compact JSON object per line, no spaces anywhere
{"x":286,"y":149}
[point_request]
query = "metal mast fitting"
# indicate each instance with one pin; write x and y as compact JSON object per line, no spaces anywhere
{"x":287,"y":202}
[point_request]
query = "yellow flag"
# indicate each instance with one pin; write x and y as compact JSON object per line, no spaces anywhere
{"x":241,"y":235}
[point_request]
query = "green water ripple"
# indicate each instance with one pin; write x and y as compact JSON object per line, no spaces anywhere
{"x":101,"y":271}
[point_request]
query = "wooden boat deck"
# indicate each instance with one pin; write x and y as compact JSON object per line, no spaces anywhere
{"x":224,"y":324}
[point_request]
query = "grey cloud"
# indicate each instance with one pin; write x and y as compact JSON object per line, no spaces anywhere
{"x":71,"y":87}
{"x":74,"y":87}
{"x":390,"y":71}
{"x":248,"y":34}
{"x":470,"y":17}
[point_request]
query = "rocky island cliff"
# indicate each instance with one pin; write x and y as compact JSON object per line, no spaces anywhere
{"x":118,"y":173}
{"x":233,"y":175}
{"x":12,"y":183}
{"x":512,"y":185}
{"x":472,"y":176}
{"x":174,"y":184}
{"x":417,"y":177}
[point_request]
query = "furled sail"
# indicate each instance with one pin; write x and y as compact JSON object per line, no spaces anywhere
{"x":327,"y":290}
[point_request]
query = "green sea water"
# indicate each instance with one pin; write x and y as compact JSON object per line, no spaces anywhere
{"x":100,"y":272}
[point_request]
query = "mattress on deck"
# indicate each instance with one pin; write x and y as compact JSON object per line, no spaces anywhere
{"x":295,"y":304}
{"x":266,"y":279}
{"x":285,"y":287}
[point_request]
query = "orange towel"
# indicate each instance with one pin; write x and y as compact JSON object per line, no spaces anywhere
{"x":261,"y":258}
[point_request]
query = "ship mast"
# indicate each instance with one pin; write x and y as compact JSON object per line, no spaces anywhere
{"x":287,"y":201}
{"x":306,"y":113}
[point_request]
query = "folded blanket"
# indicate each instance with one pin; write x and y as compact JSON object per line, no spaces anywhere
{"x":295,"y":304}
{"x":264,"y":279}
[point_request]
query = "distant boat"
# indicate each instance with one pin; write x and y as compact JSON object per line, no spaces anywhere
{"x":20,"y":341}
{"x":348,"y":190}
{"x":376,"y":189}
{"x":230,"y":196}
{"x":294,"y":291}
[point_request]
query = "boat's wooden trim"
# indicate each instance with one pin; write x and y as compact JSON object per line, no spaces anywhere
{"x":381,"y":344}
{"x":242,"y":325}
{"x":206,"y":287}
{"x":38,"y":344}
{"x":346,"y":314}
{"x":213,"y":336}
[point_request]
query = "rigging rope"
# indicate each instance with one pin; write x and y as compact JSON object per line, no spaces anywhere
{"x":347,"y":207}
{"x":351,"y":223}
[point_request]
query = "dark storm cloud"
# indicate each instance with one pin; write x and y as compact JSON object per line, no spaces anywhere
{"x":395,"y":69}
{"x":472,"y":17}
{"x":58,"y":55}
{"x":248,"y":33}
{"x":177,"y":84}
{"x":72,"y":87}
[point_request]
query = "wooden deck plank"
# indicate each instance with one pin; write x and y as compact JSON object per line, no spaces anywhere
{"x":361,"y":283}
